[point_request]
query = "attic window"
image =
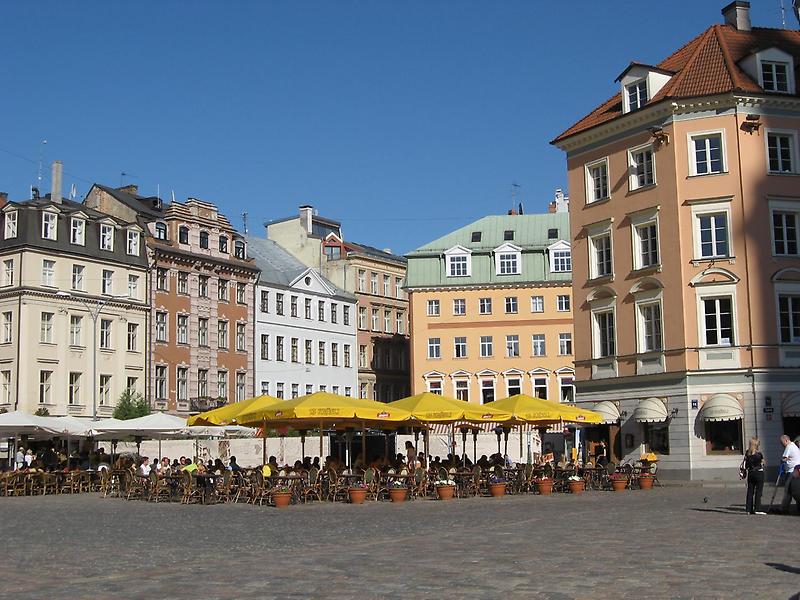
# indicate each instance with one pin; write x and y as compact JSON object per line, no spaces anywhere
{"x":775,"y":76}
{"x":552,"y":234}
{"x":161,"y":231}
{"x":637,"y":94}
{"x":508,"y":235}
{"x":476,"y":236}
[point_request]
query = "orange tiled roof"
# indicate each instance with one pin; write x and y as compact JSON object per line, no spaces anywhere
{"x":705,"y":66}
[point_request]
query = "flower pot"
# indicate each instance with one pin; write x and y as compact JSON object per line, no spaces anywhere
{"x":619,"y":485}
{"x":545,"y":488}
{"x":497,"y":489}
{"x":577,"y":487}
{"x":646,"y":482}
{"x":357,"y":495}
{"x":398,"y":494}
{"x":282,"y":499}
{"x":445,"y":492}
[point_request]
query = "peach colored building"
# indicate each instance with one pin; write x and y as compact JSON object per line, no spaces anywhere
{"x":686,"y":275}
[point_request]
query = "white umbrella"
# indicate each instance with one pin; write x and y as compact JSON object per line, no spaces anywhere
{"x":16,"y":423}
{"x":71,"y":426}
{"x":149,"y":426}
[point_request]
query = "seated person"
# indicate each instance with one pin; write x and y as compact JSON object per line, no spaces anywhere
{"x":233,"y":465}
{"x":266,"y":470}
{"x":189,"y":465}
{"x":144,"y":468}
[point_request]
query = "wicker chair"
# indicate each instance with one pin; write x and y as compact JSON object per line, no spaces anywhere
{"x":190,"y":494}
{"x":372,"y":481}
{"x":312,"y":487}
{"x":419,"y":489}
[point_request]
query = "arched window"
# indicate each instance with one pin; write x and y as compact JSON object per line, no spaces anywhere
{"x":161,"y":231}
{"x":204,"y":239}
{"x":223,"y":243}
{"x":238,"y":249}
{"x":183,"y":234}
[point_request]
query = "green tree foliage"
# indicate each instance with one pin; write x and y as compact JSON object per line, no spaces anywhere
{"x":42,"y":412}
{"x":130,"y":406}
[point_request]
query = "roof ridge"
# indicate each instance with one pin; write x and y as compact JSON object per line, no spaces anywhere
{"x":733,"y":70}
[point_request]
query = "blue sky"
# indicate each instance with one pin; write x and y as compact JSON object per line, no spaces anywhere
{"x":405,"y":120}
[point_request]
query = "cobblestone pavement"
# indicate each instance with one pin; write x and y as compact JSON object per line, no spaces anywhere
{"x":666,"y":543}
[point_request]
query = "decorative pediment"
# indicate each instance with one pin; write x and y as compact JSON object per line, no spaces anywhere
{"x":333,"y":237}
{"x":791,"y":274}
{"x":507,"y":248}
{"x":646,"y":284}
{"x":565,"y":371}
{"x":457,"y":250}
{"x":713,"y":276}
{"x":559,"y":245}
{"x":433,"y":375}
{"x":486,"y":373}
{"x":460,"y":374}
{"x":513,"y":373}
{"x":601,"y":293}
{"x":311,"y":281}
{"x":538,"y":371}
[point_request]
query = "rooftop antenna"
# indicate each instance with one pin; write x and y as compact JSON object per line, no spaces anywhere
{"x":123,"y":175}
{"x":783,"y":15}
{"x":42,"y":144}
{"x":244,"y":222}
{"x":73,"y":191}
{"x":796,"y":8}
{"x":514,"y":191}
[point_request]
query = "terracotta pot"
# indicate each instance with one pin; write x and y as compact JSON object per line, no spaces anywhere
{"x":497,"y":489}
{"x":357,"y":495}
{"x":619,"y":485}
{"x":545,"y":488}
{"x":445,"y":492}
{"x":282,"y":499}
{"x":577,"y":487}
{"x":646,"y":482}
{"x":398,"y":494}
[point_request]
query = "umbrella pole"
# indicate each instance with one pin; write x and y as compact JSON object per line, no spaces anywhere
{"x":321,"y":431}
{"x":520,"y":442}
{"x":474,"y":448}
{"x":363,"y":445}
{"x":159,"y":447}
{"x":385,"y":446}
{"x":264,"y":443}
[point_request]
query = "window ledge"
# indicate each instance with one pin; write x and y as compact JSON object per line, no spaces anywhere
{"x":783,"y":174}
{"x":600,"y":201}
{"x":696,"y":262}
{"x":706,"y":174}
{"x":647,"y":270}
{"x":602,"y":279}
{"x":644,"y":188}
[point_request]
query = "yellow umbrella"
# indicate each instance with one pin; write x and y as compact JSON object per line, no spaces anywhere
{"x":531,"y":410}
{"x":433,"y":408}
{"x":581,"y":416}
{"x":228,"y":414}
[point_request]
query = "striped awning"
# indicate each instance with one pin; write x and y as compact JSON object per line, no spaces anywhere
{"x":608,"y":410}
{"x":721,"y":407}
{"x":650,"y":410}
{"x":791,"y":405}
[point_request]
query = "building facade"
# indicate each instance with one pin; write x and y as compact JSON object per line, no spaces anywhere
{"x":491,"y":310}
{"x":74,"y":308}
{"x":684,"y":211}
{"x":202,"y":285}
{"x":375,"y":277}
{"x":305,"y":334}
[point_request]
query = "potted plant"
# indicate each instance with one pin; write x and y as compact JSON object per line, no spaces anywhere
{"x":357,"y":493}
{"x":576,"y":484}
{"x":619,"y":481}
{"x":445,"y":488}
{"x":544,"y":485}
{"x":398,"y":492}
{"x":497,"y":486}
{"x":646,"y":481}
{"x":281,"y":496}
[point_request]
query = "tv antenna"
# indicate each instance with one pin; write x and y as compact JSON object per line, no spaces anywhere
{"x":123,"y":175}
{"x":244,"y":222}
{"x":783,"y":15}
{"x":42,"y":144}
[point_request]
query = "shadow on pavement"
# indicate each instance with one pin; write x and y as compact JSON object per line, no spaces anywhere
{"x":785,"y":568}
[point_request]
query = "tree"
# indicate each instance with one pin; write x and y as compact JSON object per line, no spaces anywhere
{"x":130,"y":406}
{"x":42,"y":412}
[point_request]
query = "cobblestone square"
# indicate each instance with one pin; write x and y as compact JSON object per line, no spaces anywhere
{"x":666,"y":543}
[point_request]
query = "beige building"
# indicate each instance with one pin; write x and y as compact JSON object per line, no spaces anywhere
{"x":491,"y":310}
{"x":685,"y":202}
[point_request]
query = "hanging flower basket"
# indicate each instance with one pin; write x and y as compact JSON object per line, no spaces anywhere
{"x":576,"y":485}
{"x":398,"y":494}
{"x":282,"y":499}
{"x":445,"y":489}
{"x":544,"y":486}
{"x":646,"y":481}
{"x":357,"y":495}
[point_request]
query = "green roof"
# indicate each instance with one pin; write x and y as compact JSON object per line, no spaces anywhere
{"x":532,"y":233}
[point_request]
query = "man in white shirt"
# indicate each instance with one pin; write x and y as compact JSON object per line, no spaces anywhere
{"x":144,"y":468}
{"x":790,"y":459}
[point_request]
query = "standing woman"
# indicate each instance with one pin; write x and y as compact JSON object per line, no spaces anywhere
{"x":754,"y":463}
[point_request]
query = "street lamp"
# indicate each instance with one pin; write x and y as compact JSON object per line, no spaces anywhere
{"x":94,"y":312}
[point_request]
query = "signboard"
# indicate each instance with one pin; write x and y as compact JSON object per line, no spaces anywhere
{"x":694,"y":404}
{"x":768,"y":410}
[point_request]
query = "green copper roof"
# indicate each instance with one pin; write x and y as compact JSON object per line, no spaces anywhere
{"x":532,"y":233}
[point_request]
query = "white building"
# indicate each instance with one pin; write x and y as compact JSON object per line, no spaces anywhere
{"x":305,"y":329}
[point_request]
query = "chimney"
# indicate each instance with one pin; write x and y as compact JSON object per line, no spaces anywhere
{"x":306,"y":212}
{"x":129,"y":189}
{"x":55,"y":195}
{"x":512,"y":211}
{"x":3,"y":199}
{"x":737,"y":13}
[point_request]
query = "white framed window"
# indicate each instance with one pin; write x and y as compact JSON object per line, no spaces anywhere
{"x":375,"y":319}
{"x":265,"y":346}
{"x":133,"y":287}
{"x":161,"y":278}
{"x":434,"y":347}
{"x":133,"y":337}
{"x":560,"y":257}
{"x":373,"y":282}
{"x":241,"y":387}
{"x":433,"y":308}
{"x":435,"y":386}
{"x":400,"y":319}
{"x":222,"y":292}
{"x":781,"y":151}
{"x":104,"y":395}
{"x":564,"y":344}
{"x":107,"y":282}
{"x":537,"y":304}
{"x":49,"y":226}
{"x":707,"y":153}
{"x":161,"y":232}
{"x":604,"y":331}
{"x":75,"y":330}
{"x":712,"y":230}
{"x":347,"y":362}
{"x":182,"y":383}
{"x":601,"y":264}
{"x":457,"y":266}
{"x":461,"y":387}
{"x":335,"y":313}
{"x":10,"y":225}
{"x":48,"y":272}
{"x":74,"y":395}
{"x":459,"y":307}
{"x":202,"y":332}
{"x":8,"y":327}
{"x":512,"y":346}
{"x":321,"y":353}
{"x":487,"y":390}
{"x":132,"y":243}
{"x":650,"y":327}
{"x":362,"y":280}
{"x":106,"y":237}
{"x":77,"y":231}
{"x":362,"y":356}
{"x":775,"y":76}
{"x":563,"y":303}
{"x":540,"y":386}
{"x":161,"y":326}
{"x":222,"y":335}
{"x":789,"y":318}
{"x":222,"y":384}
{"x":484,"y":306}
{"x":538,"y":344}
{"x":45,"y":387}
{"x":183,"y":282}
{"x":241,"y":338}
{"x":784,"y":232}
{"x":8,"y":272}
{"x":202,"y":287}
{"x":636,"y":94}
{"x":334,"y":354}
{"x":566,"y":388}
{"x":645,"y":240}
{"x":597,"y":181}
{"x":508,"y":263}
{"x":486,"y":346}
{"x":512,"y":306}
{"x":362,"y":317}
{"x":310,"y":389}
{"x":202,"y":383}
{"x":321,"y":310}
{"x":717,"y":321}
{"x":105,"y":334}
{"x":46,"y":328}
{"x":387,"y":286}
{"x":641,"y":167}
{"x":387,"y":321}
{"x":346,"y":316}
{"x":5,"y":387}
{"x":398,"y":287}
{"x":132,"y":384}
{"x":460,"y":347}
{"x":293,"y":306}
{"x":309,"y":351}
{"x":182,"y":327}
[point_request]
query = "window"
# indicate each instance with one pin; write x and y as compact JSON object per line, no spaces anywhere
{"x":5,"y":387}
{"x":723,"y":437}
{"x":161,"y":231}
{"x":182,"y":384}
{"x":539,"y":346}
{"x":713,"y":228}
{"x":133,"y":287}
{"x":362,"y":317}
{"x":642,"y":172}
{"x":511,"y":305}
{"x":106,"y":237}
{"x":435,"y":386}
{"x":241,"y":338}
{"x":294,"y":350}
{"x":564,"y":344}
{"x":562,"y":261}
{"x":387,"y":286}
{"x":204,"y":239}
{"x":279,"y":348}
{"x":334,"y":354}
{"x":460,"y":347}
{"x":183,"y":282}
{"x":11,"y":224}
{"x":718,"y":321}
{"x":133,"y":337}
{"x":433,"y":308}
{"x":537,"y":304}
{"x":784,"y":233}
{"x":487,"y":390}
{"x":346,"y":316}
{"x":508,"y":234}
{"x":307,"y":307}
{"x":49,"y":272}
{"x":650,"y":327}
{"x":241,"y":386}
{"x":398,"y":287}
{"x":374,"y":319}
{"x":222,"y":384}
{"x":264,"y":301}
{"x":707,"y":154}
{"x":223,"y":244}
{"x":77,"y":231}
{"x":77,"y":277}
{"x":646,"y":240}
{"x":264,"y":346}
{"x":161,"y":326}
{"x":222,"y":334}
{"x":202,"y":332}
{"x":309,"y":352}
{"x":540,"y":387}
{"x":132,"y":246}
{"x":601,"y":251}
{"x":202,"y":286}
{"x":597,"y":181}
{"x":105,"y":334}
{"x":46,"y":328}
{"x":458,"y":265}
{"x":45,"y":382}
{"x":293,"y":306}
{"x":605,"y":341}
{"x":8,"y":272}
{"x":132,"y":384}
{"x":321,"y":357}
{"x":222,"y":290}
{"x":334,"y":313}
{"x":562,"y":303}
{"x":182,"y":325}
{"x":8,"y":327}
{"x":434,"y":347}
{"x":462,"y":389}
{"x":202,"y":383}
{"x":775,"y":76}
{"x":636,"y":94}
{"x":486,"y":346}
{"x":789,"y":318}
{"x":347,"y":356}
{"x":508,"y":263}
{"x":459,"y":307}
{"x":362,"y":357}
{"x":279,"y":304}
{"x":107,"y":282}
{"x":239,"y":249}
{"x":387,"y":321}
{"x":310,"y":389}
{"x":566,"y":388}
{"x":362,"y":280}
{"x":514,"y":386}
{"x":485,"y":306}
{"x":373,"y":283}
{"x":161,"y":278}
{"x":512,"y":346}
{"x":780,"y":152}
{"x":49,"y":226}
{"x":321,"y":310}
{"x":183,"y":234}
{"x":348,"y":391}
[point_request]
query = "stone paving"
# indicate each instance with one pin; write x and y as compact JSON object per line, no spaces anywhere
{"x":666,"y":543}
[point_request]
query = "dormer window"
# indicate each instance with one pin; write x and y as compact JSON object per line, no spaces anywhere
{"x":183,"y":234}
{"x":49,"y":221}
{"x":223,"y":244}
{"x":239,"y":249}
{"x":775,"y":76}
{"x":106,"y":237}
{"x":772,"y":68}
{"x":560,"y":257}
{"x":508,"y":235}
{"x":11,"y":225}
{"x":639,"y":83}
{"x":77,"y":231}
{"x":508,"y":260}
{"x":204,"y":239}
{"x":132,"y":246}
{"x":637,"y":94}
{"x":458,"y":262}
{"x":161,"y":231}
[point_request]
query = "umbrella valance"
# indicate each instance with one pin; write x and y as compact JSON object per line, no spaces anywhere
{"x":433,"y":408}
{"x":228,"y":414}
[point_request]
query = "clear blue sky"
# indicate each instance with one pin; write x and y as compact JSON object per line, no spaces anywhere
{"x":405,"y":120}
